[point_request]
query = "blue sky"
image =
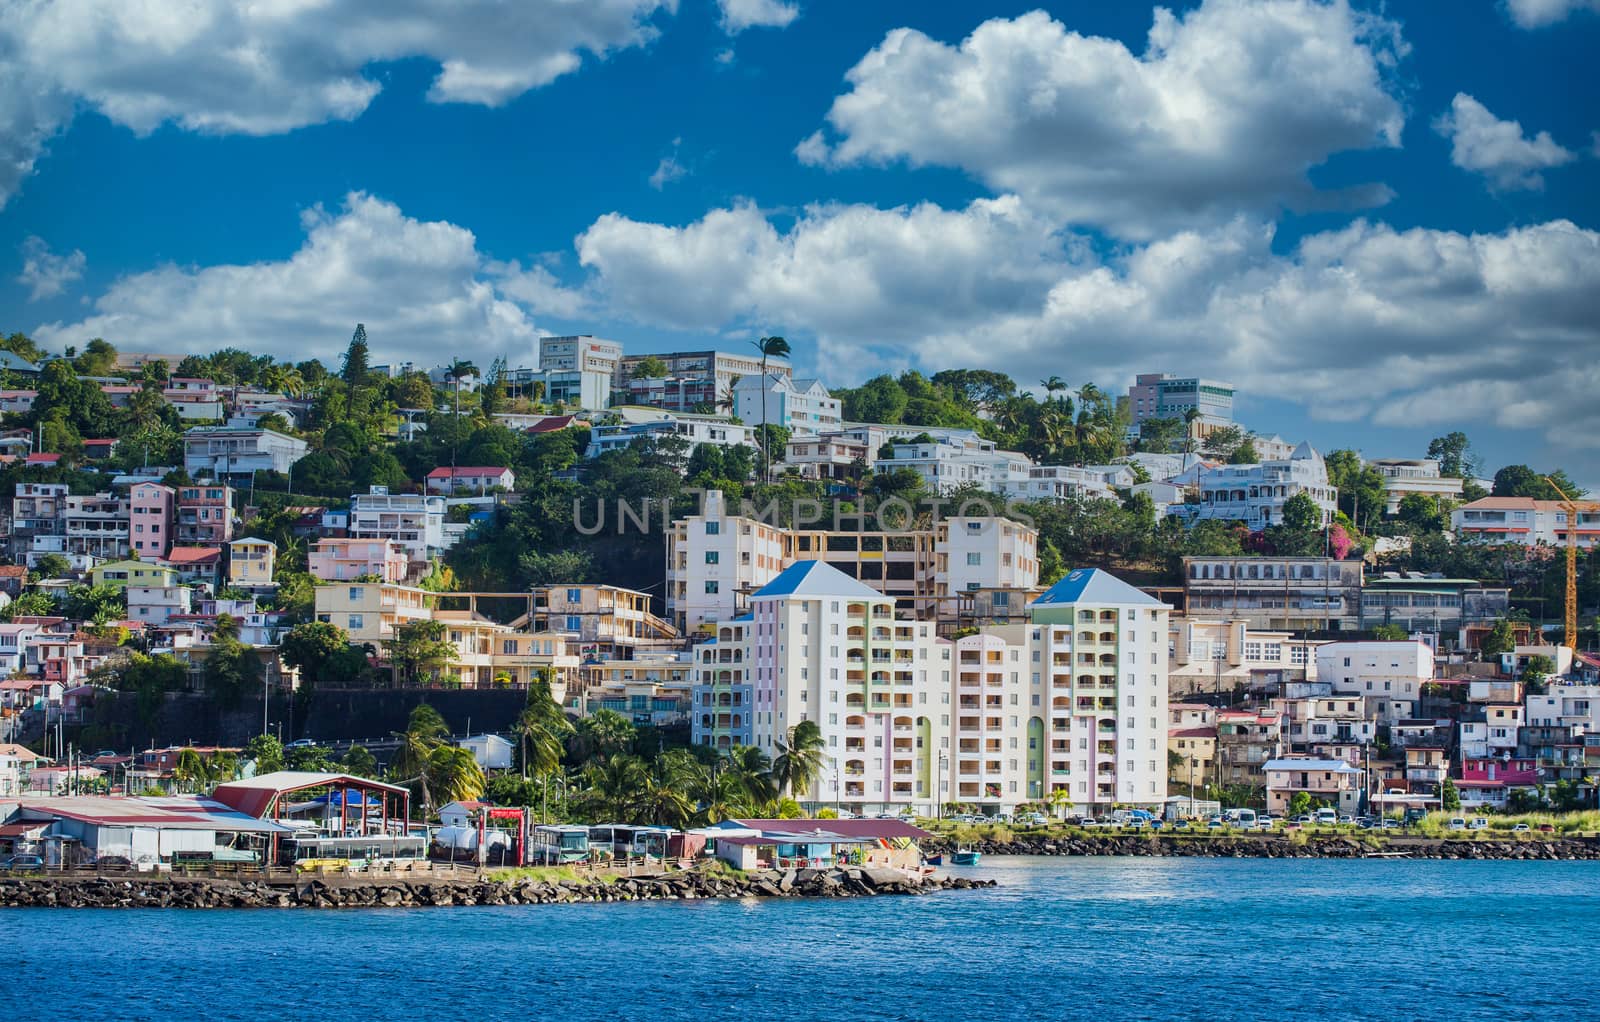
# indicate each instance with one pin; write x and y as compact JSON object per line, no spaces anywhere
{"x":1379,"y":221}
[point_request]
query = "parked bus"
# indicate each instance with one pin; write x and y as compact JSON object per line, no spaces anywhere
{"x":553,"y":844}
{"x":308,"y":851}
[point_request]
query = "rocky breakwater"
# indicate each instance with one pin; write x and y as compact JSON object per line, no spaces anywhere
{"x":1280,"y":846}
{"x":360,"y":892}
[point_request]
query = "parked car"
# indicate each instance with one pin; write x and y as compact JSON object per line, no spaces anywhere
{"x":1303,"y":819}
{"x":1033,"y":820}
{"x":1457,"y":823}
{"x":1478,"y":823}
{"x":1547,"y":828}
{"x":1216,"y":823}
{"x":1087,"y":821}
{"x":301,"y":743}
{"x":1389,"y":824}
{"x":1346,"y":818}
{"x":1136,"y":825}
{"x":1264,"y":822}
{"x":1180,"y":824}
{"x":22,"y":863}
{"x":1521,"y":828}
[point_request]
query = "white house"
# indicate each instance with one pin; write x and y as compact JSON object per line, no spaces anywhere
{"x":413,"y":522}
{"x":800,"y":405}
{"x":491,"y":751}
{"x":226,"y":452}
{"x":449,"y":479}
{"x":154,"y":605}
{"x":1389,"y":671}
{"x":1255,"y":494}
{"x":1525,"y":520}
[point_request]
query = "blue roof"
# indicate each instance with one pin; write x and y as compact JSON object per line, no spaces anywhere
{"x":815,"y":578}
{"x":1097,"y":587}
{"x":11,"y":360}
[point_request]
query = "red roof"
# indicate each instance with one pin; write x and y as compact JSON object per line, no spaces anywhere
{"x":552,"y":424}
{"x":1192,"y":732}
{"x":445,"y":471}
{"x":43,"y":459}
{"x":8,"y":570}
{"x":192,"y":554}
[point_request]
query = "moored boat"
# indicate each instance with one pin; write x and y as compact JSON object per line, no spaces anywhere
{"x":965,"y":857}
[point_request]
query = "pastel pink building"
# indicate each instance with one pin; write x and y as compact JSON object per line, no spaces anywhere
{"x":1488,"y":782}
{"x":340,"y":560}
{"x":151,"y":509}
{"x":470,"y":479}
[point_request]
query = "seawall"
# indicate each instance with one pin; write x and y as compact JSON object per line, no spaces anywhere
{"x":140,"y":891}
{"x":1278,"y":846}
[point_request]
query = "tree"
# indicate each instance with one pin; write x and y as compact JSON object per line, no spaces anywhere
{"x":419,"y":649}
{"x":770,"y":347}
{"x":52,"y":566}
{"x":1449,"y":797}
{"x":458,"y":370}
{"x":354,"y":369}
{"x":310,"y":646}
{"x":1453,"y":452}
{"x":189,"y":770}
{"x":1421,"y":513}
{"x":1501,"y":639}
{"x":266,"y":752}
{"x":1360,"y":486}
{"x":1300,"y":803}
{"x":800,"y":758}
{"x":454,"y":775}
{"x":1522,"y":481}
{"x":1538,"y":668}
{"x":603,"y":735}
{"x":1223,"y":441}
{"x":650,"y":368}
{"x":1389,"y":633}
{"x":232,"y":670}
{"x":358,"y":760}
{"x":542,"y":730}
{"x":1245,"y":453}
{"x":1301,"y":513}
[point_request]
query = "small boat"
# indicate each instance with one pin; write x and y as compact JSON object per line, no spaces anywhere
{"x":933,"y":860}
{"x":965,"y":857}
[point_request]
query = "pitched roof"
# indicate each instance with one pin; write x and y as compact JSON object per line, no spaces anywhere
{"x":192,"y":554}
{"x":445,"y":471}
{"x":551,"y":423}
{"x":1094,"y":586}
{"x":1328,"y":766}
{"x":815,"y":578}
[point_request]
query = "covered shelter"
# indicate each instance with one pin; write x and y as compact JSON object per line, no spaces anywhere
{"x":83,"y":828}
{"x":893,"y":843}
{"x":371,"y":809}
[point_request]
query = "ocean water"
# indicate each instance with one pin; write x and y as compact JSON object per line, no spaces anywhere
{"x":1098,"y":939}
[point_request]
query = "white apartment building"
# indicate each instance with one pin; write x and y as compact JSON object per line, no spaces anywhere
{"x":1391,"y":673}
{"x":1525,"y":520}
{"x":1574,"y":706}
{"x":1288,"y":593}
{"x":579,"y":352}
{"x":1255,"y":494}
{"x":801,"y":405}
{"x":96,"y":525}
{"x":154,"y":605}
{"x":943,"y":467}
{"x":828,"y":456}
{"x":1214,"y":656}
{"x":715,"y":559}
{"x":720,"y":693}
{"x":1100,"y":650}
{"x":693,"y":430}
{"x":1495,"y":735}
{"x":1405,"y":476}
{"x":224,"y":452}
{"x":984,"y":553}
{"x":412,"y":522}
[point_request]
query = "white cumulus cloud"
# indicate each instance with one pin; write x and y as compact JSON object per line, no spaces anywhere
{"x":1484,"y":144}
{"x":422,"y":288}
{"x":1404,"y":327}
{"x":1540,"y":13}
{"x":738,"y":15}
{"x":46,"y":274}
{"x":1226,"y":109}
{"x":262,"y":68}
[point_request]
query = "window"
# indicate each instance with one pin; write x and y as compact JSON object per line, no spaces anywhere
{"x":973,"y":560}
{"x":574,"y":623}
{"x":574,"y":595}
{"x":713,"y":528}
{"x":711,"y":588}
{"x":711,"y":557}
{"x":356,"y":622}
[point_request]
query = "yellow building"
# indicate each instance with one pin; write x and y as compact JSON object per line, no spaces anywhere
{"x":251,"y":562}
{"x":122,"y":574}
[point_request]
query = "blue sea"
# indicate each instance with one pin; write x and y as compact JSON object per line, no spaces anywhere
{"x":1095,"y":939}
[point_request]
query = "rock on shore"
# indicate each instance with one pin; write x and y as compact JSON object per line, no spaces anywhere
{"x":360,"y":892}
{"x":1281,"y":847}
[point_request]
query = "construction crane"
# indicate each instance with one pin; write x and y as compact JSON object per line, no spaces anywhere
{"x":1570,"y":619}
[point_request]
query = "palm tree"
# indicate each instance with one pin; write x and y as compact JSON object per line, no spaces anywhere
{"x":189,"y":772}
{"x":454,"y":774}
{"x":770,"y":347}
{"x":603,"y":735}
{"x":1052,"y":385}
{"x":1189,"y":415}
{"x":729,"y":398}
{"x":800,"y":758}
{"x":458,"y":370}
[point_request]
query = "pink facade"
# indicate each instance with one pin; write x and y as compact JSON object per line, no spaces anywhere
{"x":339,"y":560}
{"x":205,"y":515}
{"x":151,"y":512}
{"x":470,"y":479}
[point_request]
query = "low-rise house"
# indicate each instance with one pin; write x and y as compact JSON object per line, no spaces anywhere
{"x":13,"y":578}
{"x":229,"y":454}
{"x":205,"y":515}
{"x":1246,"y":741}
{"x":1526,"y":521}
{"x":470,"y":479}
{"x":195,"y":565}
{"x":122,"y":574}
{"x":1488,"y":783}
{"x":1331,"y":781}
{"x":345,"y":559}
{"x":155,"y":605}
{"x":251,"y":563}
{"x":1192,"y":753}
{"x":492,"y":752}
